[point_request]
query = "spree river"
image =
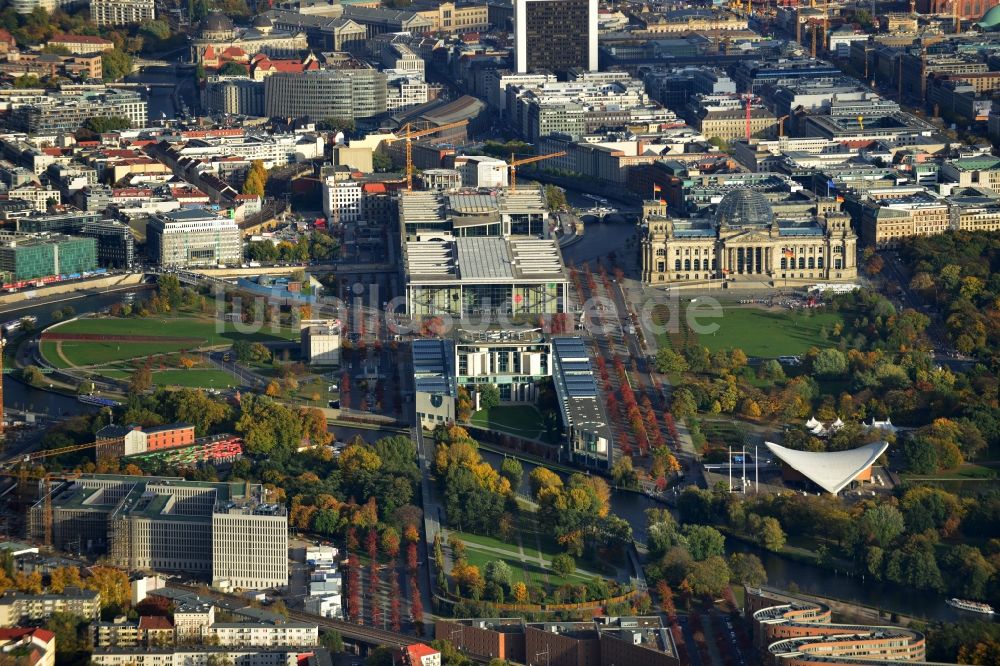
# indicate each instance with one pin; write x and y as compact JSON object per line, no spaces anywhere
{"x":631,"y":506}
{"x":783,"y":572}
{"x":17,"y":394}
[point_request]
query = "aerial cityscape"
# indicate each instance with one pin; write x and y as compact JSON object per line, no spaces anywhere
{"x":500,"y":332}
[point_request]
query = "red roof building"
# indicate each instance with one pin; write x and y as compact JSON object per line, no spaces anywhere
{"x":419,"y":654}
{"x":37,"y":645}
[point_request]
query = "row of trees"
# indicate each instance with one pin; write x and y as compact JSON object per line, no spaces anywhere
{"x":317,"y":246}
{"x":692,"y":560}
{"x":897,"y":538}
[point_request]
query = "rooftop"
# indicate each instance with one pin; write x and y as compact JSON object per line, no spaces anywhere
{"x":830,"y":470}
{"x":483,"y":260}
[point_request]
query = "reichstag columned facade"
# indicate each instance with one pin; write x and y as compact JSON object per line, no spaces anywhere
{"x":744,"y":242}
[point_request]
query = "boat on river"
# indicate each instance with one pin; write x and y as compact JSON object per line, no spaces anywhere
{"x":971,"y":606}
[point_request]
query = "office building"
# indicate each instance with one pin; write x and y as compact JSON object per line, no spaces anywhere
{"x":745,"y":241}
{"x":512,"y":361}
{"x":67,"y":111}
{"x":434,"y":385}
{"x":116,"y":441}
{"x":603,"y":641}
{"x":482,"y":171}
{"x":122,"y":12}
{"x":342,"y":198}
{"x":331,"y":93}
{"x":115,"y":242}
{"x":234,"y":96}
{"x":193,"y":237}
{"x":555,"y":35}
{"x":790,"y":631}
{"x":890,"y":214}
{"x":321,"y":341}
{"x":489,"y":277}
{"x":225,"y":532}
{"x":29,"y":256}
{"x":18,"y":607}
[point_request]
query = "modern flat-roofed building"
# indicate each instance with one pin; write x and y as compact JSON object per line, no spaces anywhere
{"x":603,"y":641}
{"x":328,"y":93}
{"x":321,"y":341}
{"x":219,"y":530}
{"x":193,"y":237}
{"x":434,"y":384}
{"x":29,"y":256}
{"x":555,"y":35}
{"x":588,"y":434}
{"x":512,"y":361}
{"x":485,"y":277}
{"x":69,"y":110}
{"x":187,"y":655}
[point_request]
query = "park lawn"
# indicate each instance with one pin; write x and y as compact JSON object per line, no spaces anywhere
{"x":529,"y":571}
{"x":523,"y":420}
{"x":96,"y":353}
{"x":769,"y":333}
{"x":210,"y":330}
{"x":194,"y":378}
{"x":51,"y":354}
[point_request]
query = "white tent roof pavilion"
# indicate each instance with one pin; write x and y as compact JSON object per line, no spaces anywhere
{"x":830,"y":470}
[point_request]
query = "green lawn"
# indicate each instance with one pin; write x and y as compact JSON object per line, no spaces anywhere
{"x":523,"y":420}
{"x":769,"y":333}
{"x":96,"y":353}
{"x":194,"y":378}
{"x":207,"y":332}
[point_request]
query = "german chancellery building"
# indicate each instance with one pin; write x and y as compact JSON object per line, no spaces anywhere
{"x":744,"y":241}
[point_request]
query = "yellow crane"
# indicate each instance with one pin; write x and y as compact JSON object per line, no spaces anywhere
{"x":514,"y":163}
{"x":409,"y":133}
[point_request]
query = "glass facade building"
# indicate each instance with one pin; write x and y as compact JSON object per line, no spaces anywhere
{"x":30,"y":258}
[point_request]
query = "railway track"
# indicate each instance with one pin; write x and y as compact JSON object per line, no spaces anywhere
{"x":351,"y":632}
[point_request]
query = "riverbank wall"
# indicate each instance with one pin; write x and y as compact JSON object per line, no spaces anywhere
{"x":109,"y":282}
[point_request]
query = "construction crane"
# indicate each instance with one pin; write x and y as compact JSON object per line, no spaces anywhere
{"x":409,"y":133}
{"x":51,"y":453}
{"x":25,"y":476}
{"x":749,"y":99}
{"x":514,"y":163}
{"x":781,"y":126}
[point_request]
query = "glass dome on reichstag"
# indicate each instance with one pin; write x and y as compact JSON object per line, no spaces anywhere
{"x":744,"y":208}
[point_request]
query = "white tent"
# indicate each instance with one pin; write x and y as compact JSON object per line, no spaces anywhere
{"x":830,"y":470}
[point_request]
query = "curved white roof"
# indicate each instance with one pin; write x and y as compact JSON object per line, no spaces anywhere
{"x":830,"y":470}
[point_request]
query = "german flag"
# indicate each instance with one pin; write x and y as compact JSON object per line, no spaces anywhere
{"x":788,"y":252}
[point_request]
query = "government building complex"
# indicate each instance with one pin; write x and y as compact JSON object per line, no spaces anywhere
{"x":744,"y":241}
